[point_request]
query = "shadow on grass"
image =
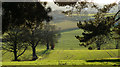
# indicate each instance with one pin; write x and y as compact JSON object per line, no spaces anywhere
{"x":43,"y":52}
{"x":104,"y":60}
{"x":46,"y":52}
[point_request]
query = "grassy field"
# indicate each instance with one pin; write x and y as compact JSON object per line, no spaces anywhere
{"x":80,"y":54}
{"x":108,"y":14}
{"x":66,"y":25}
{"x":67,"y":52}
{"x":63,"y":57}
{"x":68,"y":41}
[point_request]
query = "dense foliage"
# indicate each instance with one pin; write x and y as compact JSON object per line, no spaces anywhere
{"x":17,"y":13}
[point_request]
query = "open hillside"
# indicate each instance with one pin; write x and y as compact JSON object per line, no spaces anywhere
{"x":66,"y":25}
{"x":67,"y":52}
{"x":68,"y":41}
{"x":67,"y":48}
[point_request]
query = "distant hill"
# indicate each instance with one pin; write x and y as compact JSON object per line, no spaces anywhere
{"x":66,"y":23}
{"x":58,"y":16}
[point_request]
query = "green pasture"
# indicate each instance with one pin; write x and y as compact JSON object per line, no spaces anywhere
{"x":68,"y":41}
{"x":108,"y":14}
{"x":60,"y":62}
{"x":67,"y":51}
{"x":66,"y":25}
{"x":63,"y":57}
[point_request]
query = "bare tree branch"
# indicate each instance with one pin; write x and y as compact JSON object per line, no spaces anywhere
{"x":116,"y":14}
{"x":37,"y":43}
{"x":22,"y":52}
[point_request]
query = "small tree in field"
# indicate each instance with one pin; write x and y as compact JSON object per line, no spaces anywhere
{"x":50,"y":35}
{"x":13,"y":41}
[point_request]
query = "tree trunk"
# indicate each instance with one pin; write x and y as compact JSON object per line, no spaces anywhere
{"x":15,"y":52}
{"x":52,"y":46}
{"x":47,"y":46}
{"x":34,"y":53}
{"x":98,"y":46}
{"x":15,"y":55}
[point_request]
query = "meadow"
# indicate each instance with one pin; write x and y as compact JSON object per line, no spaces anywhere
{"x":65,"y":57}
{"x":67,"y":52}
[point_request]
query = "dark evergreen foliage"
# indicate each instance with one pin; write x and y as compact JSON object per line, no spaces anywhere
{"x":16,"y":13}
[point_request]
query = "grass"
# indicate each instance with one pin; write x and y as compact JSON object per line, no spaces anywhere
{"x":66,"y":25}
{"x":68,"y":41}
{"x":56,"y":62}
{"x":80,"y":54}
{"x":67,"y":52}
{"x":64,"y":57}
{"x":108,"y":14}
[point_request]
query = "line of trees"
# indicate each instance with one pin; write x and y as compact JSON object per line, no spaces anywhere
{"x":19,"y":39}
{"x":50,"y":35}
{"x":23,"y":26}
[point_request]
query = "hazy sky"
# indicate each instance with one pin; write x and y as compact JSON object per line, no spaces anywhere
{"x":55,"y":7}
{"x":96,"y":1}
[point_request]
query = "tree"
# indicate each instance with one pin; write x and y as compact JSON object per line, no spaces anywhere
{"x":16,"y":13}
{"x":100,"y":27}
{"x":33,"y":39}
{"x":27,"y":14}
{"x":50,"y":35}
{"x":13,"y":41}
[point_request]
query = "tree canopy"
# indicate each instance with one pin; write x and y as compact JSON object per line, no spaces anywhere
{"x":17,"y":13}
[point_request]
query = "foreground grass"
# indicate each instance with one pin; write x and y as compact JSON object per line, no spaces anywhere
{"x":58,"y":62}
{"x":79,"y":54}
{"x":65,"y":57}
